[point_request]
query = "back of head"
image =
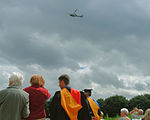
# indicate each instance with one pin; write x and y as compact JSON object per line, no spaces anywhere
{"x":37,"y":79}
{"x":16,"y":79}
{"x":124,"y":110}
{"x":140,"y":112}
{"x":88,"y":91}
{"x":65,"y":78}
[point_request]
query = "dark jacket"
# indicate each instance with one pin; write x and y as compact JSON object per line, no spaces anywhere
{"x":58,"y":113}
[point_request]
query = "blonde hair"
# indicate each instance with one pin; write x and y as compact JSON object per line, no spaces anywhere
{"x":147,"y":115}
{"x":37,"y":79}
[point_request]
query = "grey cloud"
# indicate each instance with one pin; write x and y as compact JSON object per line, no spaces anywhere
{"x":25,"y":51}
{"x":140,"y":86}
{"x":105,"y":79}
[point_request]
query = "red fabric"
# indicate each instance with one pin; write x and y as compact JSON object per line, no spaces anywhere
{"x":76,"y":95}
{"x":37,"y":97}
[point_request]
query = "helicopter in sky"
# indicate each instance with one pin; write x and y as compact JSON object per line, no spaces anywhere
{"x":75,"y":15}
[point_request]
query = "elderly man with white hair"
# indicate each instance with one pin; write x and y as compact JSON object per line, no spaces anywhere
{"x":14,"y":102}
{"x":124,"y":113}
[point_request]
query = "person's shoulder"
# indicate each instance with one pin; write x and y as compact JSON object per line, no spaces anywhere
{"x":24,"y":93}
{"x":45,"y":92}
{"x":83,"y":96}
{"x":43,"y":89}
{"x":19,"y":92}
{"x":57,"y":93}
{"x":27,"y":88}
{"x":3,"y":91}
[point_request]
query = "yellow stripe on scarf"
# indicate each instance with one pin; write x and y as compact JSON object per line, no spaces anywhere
{"x":69,"y":104}
{"x":94,"y":108}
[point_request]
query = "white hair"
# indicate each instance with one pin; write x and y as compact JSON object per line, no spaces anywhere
{"x":125,"y":110}
{"x":16,"y":78}
{"x":140,"y":111}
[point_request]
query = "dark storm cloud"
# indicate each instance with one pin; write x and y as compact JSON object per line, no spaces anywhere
{"x":106,"y":79}
{"x":26,"y":51}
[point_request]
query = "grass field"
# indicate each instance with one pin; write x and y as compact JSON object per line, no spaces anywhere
{"x":109,"y":118}
{"x":105,"y":118}
{"x":114,"y":118}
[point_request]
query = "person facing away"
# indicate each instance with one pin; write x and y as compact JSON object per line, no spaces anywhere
{"x":14,"y":102}
{"x":69,"y":103}
{"x":38,"y":94}
{"x":94,"y":106}
{"x":136,"y":113}
{"x":124,"y":112}
{"x":146,"y":115}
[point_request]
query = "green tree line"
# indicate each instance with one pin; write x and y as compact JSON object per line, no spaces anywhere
{"x":111,"y":106}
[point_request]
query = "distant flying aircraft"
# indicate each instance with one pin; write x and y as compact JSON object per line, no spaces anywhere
{"x":75,"y":15}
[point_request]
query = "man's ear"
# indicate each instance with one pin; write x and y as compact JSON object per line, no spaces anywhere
{"x":63,"y":82}
{"x":10,"y":83}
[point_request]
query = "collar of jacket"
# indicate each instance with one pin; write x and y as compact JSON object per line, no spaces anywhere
{"x":15,"y":86}
{"x":68,"y":87}
{"x":35,"y":86}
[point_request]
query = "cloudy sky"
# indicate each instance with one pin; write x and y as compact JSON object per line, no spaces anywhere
{"x":107,"y":49}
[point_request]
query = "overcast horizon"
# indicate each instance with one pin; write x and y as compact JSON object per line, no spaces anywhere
{"x":106,"y":50}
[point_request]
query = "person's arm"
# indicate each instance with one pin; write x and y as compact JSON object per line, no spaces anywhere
{"x":134,"y":110}
{"x":47,"y":94}
{"x":26,"y":111}
{"x":101,"y":114}
{"x":134,"y":113}
{"x":53,"y":106}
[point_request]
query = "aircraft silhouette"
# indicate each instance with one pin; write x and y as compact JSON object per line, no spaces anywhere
{"x":75,"y":15}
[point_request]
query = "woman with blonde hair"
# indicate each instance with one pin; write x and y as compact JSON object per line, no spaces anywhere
{"x":147,"y":115}
{"x":37,"y":97}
